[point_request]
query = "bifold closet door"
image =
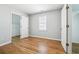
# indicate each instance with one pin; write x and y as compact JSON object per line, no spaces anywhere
{"x":24,"y":27}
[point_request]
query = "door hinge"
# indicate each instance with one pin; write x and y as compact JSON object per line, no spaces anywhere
{"x":66,"y":52}
{"x":67,"y":44}
{"x":67,"y":7}
{"x":67,"y":26}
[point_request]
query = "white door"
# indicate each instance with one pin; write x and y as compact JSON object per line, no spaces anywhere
{"x":66,"y":33}
{"x":24,"y":27}
{"x":63,"y":27}
{"x":70,"y":28}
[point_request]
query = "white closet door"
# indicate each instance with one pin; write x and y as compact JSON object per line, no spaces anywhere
{"x":70,"y":28}
{"x":24,"y":27}
{"x":63,"y":27}
{"x":64,"y":33}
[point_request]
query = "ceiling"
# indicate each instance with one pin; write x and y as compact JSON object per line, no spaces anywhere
{"x":35,"y":8}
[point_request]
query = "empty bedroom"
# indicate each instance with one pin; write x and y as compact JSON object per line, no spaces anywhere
{"x":31,"y":29}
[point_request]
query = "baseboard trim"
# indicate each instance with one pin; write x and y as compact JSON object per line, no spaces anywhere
{"x":5,"y":43}
{"x":44,"y":37}
{"x":75,"y":42}
{"x":25,"y":37}
{"x":15,"y":35}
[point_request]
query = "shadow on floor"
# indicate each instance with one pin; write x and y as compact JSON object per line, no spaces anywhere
{"x":16,"y":38}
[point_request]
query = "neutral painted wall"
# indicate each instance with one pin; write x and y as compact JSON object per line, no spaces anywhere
{"x":75,"y":28}
{"x":15,"y":25}
{"x":53,"y":25}
{"x":5,"y":21}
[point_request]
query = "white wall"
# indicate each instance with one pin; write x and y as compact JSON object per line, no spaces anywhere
{"x":5,"y":25}
{"x":53,"y":25}
{"x":75,"y":28}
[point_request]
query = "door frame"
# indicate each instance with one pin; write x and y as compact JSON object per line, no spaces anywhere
{"x":68,"y":29}
{"x":16,"y":13}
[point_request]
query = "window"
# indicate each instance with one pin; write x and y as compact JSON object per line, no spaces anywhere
{"x":42,"y":23}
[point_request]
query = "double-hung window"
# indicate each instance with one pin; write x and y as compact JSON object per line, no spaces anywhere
{"x":42,"y":23}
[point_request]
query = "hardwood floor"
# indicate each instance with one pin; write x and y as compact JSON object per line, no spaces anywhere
{"x":75,"y":48}
{"x":15,"y":38}
{"x":33,"y":45}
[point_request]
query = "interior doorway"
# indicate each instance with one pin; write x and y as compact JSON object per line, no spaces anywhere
{"x":15,"y":27}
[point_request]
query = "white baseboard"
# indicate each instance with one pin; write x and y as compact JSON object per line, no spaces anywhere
{"x":45,"y":37}
{"x":21,"y":37}
{"x":75,"y":42}
{"x":5,"y":43}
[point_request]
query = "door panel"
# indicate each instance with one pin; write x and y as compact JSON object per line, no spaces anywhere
{"x":70,"y":29}
{"x":24,"y":27}
{"x":66,"y":33}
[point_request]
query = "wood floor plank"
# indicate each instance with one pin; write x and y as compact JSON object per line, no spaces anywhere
{"x":75,"y":48}
{"x":33,"y":45}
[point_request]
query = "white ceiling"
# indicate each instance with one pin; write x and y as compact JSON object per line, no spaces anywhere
{"x":36,"y":8}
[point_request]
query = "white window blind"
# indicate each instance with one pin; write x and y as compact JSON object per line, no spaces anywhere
{"x":42,"y":23}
